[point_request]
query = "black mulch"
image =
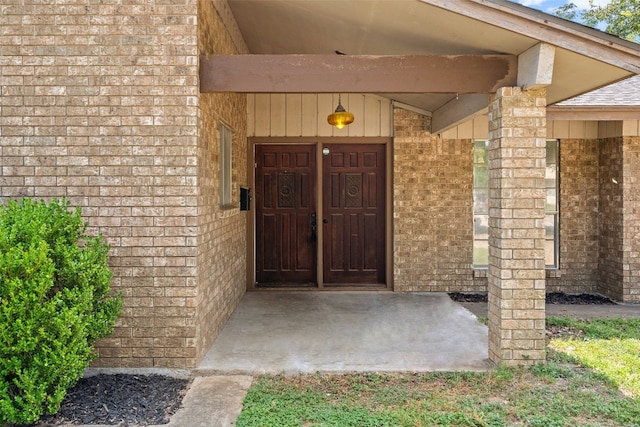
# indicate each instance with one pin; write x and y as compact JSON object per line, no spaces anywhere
{"x":582,"y":299}
{"x":123,"y":400}
{"x":552,"y":298}
{"x":461,"y":297}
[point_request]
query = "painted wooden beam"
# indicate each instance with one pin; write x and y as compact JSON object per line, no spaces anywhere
{"x":356,"y":74}
{"x":458,"y":110}
{"x":535,"y":66}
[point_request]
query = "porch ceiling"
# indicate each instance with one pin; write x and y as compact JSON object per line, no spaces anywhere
{"x":430,"y":27}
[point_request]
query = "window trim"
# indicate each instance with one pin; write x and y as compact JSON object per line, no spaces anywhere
{"x":226,"y":166}
{"x":554,"y":213}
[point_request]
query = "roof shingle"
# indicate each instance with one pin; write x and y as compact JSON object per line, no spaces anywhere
{"x":623,"y":93}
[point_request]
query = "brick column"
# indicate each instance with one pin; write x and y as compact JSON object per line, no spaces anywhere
{"x":516,"y":277}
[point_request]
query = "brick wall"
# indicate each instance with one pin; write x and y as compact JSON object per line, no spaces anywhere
{"x":99,"y":102}
{"x":579,"y":201}
{"x":432,"y":205}
{"x":222,"y":243}
{"x":631,"y":219}
{"x":433,"y":212}
{"x":610,"y":259}
{"x":619,"y":247}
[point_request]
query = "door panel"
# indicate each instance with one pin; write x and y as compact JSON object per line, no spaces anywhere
{"x":286,"y":243}
{"x":354,"y":214}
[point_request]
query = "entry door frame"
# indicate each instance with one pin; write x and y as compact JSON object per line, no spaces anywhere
{"x":318,"y":142}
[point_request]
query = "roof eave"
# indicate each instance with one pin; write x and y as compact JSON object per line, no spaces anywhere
{"x":593,"y":112}
{"x":550,"y":29}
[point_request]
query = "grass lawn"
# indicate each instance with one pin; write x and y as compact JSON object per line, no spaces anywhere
{"x":590,"y":379}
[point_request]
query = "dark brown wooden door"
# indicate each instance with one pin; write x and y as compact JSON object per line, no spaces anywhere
{"x":286,"y":240}
{"x":354,"y":214}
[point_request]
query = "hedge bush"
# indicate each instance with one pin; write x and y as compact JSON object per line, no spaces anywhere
{"x":55,"y":302}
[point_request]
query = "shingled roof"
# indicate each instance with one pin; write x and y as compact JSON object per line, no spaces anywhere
{"x":620,"y":94}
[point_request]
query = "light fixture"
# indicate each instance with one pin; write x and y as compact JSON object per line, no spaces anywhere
{"x":341,"y":117}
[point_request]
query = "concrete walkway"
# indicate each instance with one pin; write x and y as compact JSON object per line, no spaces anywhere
{"x":334,"y":332}
{"x":579,"y":311}
{"x":214,"y":401}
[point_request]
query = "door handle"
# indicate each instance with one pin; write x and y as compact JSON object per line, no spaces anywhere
{"x":314,"y":227}
{"x":314,"y":222}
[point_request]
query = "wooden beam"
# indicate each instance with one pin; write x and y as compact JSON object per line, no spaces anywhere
{"x":535,"y":66}
{"x":458,"y":110}
{"x":356,"y":74}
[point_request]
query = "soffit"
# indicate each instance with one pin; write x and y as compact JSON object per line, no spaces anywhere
{"x":403,"y":27}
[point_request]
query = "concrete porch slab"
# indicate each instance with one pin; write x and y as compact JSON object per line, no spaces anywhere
{"x":334,"y":332}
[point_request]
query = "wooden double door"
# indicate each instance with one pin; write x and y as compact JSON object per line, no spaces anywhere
{"x":330,"y":215}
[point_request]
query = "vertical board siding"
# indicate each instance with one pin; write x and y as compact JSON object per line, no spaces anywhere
{"x":631,"y":128}
{"x":374,"y":117}
{"x":478,"y":129}
{"x":560,"y":129}
{"x":356,"y":106}
{"x":293,"y":108}
{"x":261,"y":114}
{"x":297,"y":115}
{"x":326,"y":105}
{"x":611,"y":129}
{"x":309,"y":112}
{"x":278,"y":115}
{"x":251,"y":111}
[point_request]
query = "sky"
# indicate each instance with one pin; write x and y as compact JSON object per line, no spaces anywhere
{"x":550,"y":5}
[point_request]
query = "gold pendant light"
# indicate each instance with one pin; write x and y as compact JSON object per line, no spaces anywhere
{"x":341,"y":117}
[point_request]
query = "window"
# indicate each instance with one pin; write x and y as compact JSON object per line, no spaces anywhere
{"x":225,"y":165}
{"x":481,"y":205}
{"x":551,"y":206}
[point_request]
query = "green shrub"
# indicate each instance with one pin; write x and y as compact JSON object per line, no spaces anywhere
{"x":55,"y":303}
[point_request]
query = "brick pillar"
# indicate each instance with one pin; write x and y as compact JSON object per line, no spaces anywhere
{"x":516,"y":276}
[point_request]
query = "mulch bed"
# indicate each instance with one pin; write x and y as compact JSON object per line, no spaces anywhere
{"x":123,"y":400}
{"x":551,"y":298}
{"x":582,"y":299}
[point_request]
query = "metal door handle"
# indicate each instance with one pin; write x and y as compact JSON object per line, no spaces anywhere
{"x":314,"y":222}
{"x":314,"y":227}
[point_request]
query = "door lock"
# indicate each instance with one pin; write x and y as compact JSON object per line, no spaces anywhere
{"x":314,"y":227}
{"x":314,"y":222}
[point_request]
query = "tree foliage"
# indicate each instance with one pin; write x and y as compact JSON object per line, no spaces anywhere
{"x":620,"y":17}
